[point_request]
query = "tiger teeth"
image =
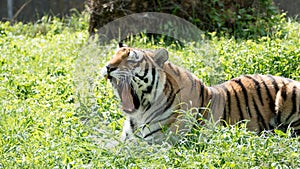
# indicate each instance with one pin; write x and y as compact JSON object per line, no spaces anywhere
{"x":118,"y":81}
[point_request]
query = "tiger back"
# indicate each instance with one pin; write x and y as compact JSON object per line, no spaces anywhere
{"x":153,"y":91}
{"x":267,"y":101}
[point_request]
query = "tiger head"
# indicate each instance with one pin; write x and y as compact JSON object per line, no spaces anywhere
{"x":134,"y":73}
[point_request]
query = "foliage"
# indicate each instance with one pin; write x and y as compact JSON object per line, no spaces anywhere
{"x":242,"y":19}
{"x":41,"y":125}
{"x":239,"y":18}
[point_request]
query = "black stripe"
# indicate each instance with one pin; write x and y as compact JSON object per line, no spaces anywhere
{"x":271,"y":101}
{"x":295,"y":123}
{"x":294,"y":101}
{"x":146,"y":69}
{"x":136,"y":100}
{"x":132,"y":124}
{"x":153,"y":74}
{"x":156,"y":85}
{"x":259,"y":117}
{"x":257,"y":87}
{"x":244,"y":90}
{"x":176,"y":71}
{"x":148,"y":90}
{"x":191,"y":79}
{"x":134,"y":52}
{"x":171,"y":97}
{"x":166,"y":106}
{"x":151,"y":122}
{"x":150,"y":87}
{"x":142,"y":78}
{"x":156,"y":112}
{"x":148,"y":106}
{"x":202,"y":93}
{"x":170,"y":102}
{"x":152,"y":132}
{"x":278,"y":117}
{"x":224,"y":116}
{"x":228,"y":95}
{"x":238,"y":104}
{"x":283,"y":91}
{"x":227,"y":105}
{"x":296,"y":133}
{"x":274,"y":83}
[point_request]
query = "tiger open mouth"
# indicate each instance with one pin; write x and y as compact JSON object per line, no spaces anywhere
{"x":129,"y":99}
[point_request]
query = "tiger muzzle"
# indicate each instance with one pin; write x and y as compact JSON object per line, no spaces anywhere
{"x":124,"y":89}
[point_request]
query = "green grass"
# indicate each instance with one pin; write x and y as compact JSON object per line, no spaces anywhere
{"x":43,"y":126}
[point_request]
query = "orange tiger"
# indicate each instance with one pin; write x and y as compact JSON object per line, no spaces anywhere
{"x":151,"y":90}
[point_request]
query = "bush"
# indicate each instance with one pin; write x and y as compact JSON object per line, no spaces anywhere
{"x":241,"y":18}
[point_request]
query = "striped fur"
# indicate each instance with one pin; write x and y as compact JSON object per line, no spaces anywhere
{"x":151,"y":89}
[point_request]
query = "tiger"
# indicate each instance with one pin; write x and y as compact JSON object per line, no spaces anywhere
{"x":154,"y":92}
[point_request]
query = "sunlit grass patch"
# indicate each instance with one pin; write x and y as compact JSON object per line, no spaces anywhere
{"x":43,"y":125}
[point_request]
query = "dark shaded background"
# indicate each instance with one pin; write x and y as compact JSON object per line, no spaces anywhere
{"x":35,"y":9}
{"x":31,"y":10}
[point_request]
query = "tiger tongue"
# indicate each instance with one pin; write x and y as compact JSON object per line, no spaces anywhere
{"x":127,"y":100}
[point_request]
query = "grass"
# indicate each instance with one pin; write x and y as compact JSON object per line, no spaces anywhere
{"x":45,"y":124}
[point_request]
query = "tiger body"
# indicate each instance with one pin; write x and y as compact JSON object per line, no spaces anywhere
{"x":152,"y":90}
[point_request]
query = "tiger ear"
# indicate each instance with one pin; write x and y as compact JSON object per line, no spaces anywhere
{"x":161,"y":56}
{"x":121,"y":44}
